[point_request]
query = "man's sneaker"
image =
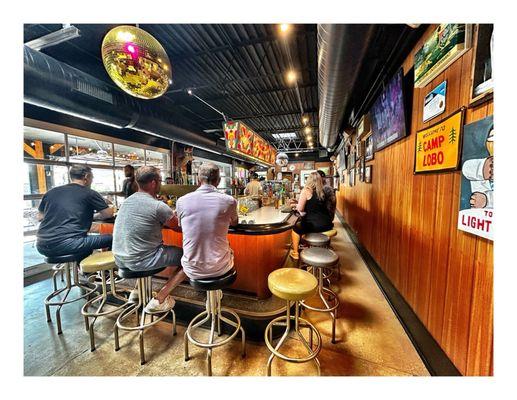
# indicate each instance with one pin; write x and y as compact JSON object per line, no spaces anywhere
{"x":133,"y":296}
{"x":154,"y":306}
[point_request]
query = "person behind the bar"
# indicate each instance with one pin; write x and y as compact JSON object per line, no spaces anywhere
{"x":312,"y":206}
{"x":66,"y":213}
{"x":129,"y":186}
{"x":253,"y":188}
{"x":204,"y":216}
{"x":137,"y":237}
{"x":330,"y":196}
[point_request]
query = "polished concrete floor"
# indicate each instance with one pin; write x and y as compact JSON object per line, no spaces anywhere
{"x":370,"y":339}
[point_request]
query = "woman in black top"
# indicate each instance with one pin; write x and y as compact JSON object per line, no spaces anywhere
{"x":313,"y":206}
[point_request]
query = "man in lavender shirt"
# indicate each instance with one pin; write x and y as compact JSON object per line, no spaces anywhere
{"x":204,"y":217}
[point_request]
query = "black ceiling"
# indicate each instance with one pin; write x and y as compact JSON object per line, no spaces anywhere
{"x":239,"y":69}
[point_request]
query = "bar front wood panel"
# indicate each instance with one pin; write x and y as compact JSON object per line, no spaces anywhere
{"x":408,"y":223}
{"x":255,"y":257}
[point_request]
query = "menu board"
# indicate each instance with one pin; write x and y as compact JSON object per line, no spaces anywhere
{"x":241,"y":139}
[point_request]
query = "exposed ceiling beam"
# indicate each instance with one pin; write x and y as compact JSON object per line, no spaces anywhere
{"x":254,"y":116}
{"x":223,"y":83}
{"x":261,"y":40}
{"x":236,"y":95}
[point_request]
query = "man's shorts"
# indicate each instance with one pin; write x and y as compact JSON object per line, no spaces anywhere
{"x":165,"y":256}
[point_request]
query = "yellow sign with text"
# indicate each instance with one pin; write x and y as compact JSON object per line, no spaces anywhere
{"x":438,"y":147}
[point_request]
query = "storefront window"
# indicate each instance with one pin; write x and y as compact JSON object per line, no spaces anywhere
{"x":125,"y":155}
{"x":103,"y":180}
{"x":39,"y":144}
{"x":89,"y":151}
{"x":39,"y":179}
{"x":30,"y":215}
{"x":159,"y":160}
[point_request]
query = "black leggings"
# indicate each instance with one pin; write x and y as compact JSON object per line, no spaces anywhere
{"x":302,"y":228}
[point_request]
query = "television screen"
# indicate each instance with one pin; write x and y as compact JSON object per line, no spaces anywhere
{"x":387,"y":114}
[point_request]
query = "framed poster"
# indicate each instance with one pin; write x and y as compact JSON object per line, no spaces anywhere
{"x":434,"y":102}
{"x":445,"y":45}
{"x":351,"y":177}
{"x":361,"y":169}
{"x":364,"y":127}
{"x":476,"y":211}
{"x":368,"y":174}
{"x":368,"y":145}
{"x":437,"y":148}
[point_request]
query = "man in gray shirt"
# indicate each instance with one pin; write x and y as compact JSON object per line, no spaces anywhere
{"x":137,"y":236}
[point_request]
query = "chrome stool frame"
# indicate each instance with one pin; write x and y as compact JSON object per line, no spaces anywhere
{"x":102,"y":298}
{"x":58,"y":269}
{"x":299,"y":322}
{"x":144,"y":296}
{"x":214,"y":314}
{"x":319,"y":242}
{"x":66,"y":267}
{"x":331,"y":304}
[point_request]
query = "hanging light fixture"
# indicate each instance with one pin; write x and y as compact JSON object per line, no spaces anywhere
{"x":282,"y":159}
{"x":136,"y":62}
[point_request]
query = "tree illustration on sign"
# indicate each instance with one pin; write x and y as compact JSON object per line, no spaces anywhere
{"x":452,"y":135}
{"x":419,"y":147}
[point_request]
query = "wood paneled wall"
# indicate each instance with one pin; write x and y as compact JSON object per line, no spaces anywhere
{"x":408,"y":224}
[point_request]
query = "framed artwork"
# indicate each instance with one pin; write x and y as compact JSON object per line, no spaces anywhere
{"x":364,"y":127}
{"x":368,"y":174}
{"x":445,"y":45}
{"x":437,"y":148}
{"x":368,"y":145}
{"x":351,"y":177}
{"x":434,"y":102}
{"x":361,"y":169}
{"x":482,"y":85}
{"x":476,"y":210}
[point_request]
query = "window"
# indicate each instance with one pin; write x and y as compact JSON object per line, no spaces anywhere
{"x":41,"y":178}
{"x":39,"y":144}
{"x":125,"y":155}
{"x":159,"y":160}
{"x":89,"y":151}
{"x":287,"y":135}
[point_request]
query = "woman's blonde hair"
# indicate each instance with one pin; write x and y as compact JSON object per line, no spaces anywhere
{"x":315,"y":184}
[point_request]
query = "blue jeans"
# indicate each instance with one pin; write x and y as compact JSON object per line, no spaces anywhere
{"x":85,"y":244}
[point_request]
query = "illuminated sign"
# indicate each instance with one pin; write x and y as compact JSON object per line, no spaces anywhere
{"x":240,"y":139}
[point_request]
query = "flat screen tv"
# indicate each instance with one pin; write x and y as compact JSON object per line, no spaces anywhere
{"x":387,"y":114}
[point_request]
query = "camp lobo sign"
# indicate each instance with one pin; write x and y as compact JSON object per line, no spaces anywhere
{"x":438,"y":148}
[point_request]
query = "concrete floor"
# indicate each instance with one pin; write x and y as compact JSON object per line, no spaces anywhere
{"x":370,"y":339}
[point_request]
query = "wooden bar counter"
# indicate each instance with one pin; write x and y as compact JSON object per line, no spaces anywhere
{"x":259,"y":248}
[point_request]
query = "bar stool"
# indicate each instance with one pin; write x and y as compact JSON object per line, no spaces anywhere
{"x":319,"y":258}
{"x":315,"y":239}
{"x":331,"y":233}
{"x":214,"y":315}
{"x":145,"y":294}
{"x":69,"y":265}
{"x":293,"y":285}
{"x":101,"y":263}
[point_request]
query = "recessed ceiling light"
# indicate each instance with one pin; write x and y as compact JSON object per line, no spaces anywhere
{"x":284,"y":28}
{"x":291,"y":76}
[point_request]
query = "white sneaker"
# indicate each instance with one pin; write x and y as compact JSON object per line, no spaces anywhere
{"x":133,"y":296}
{"x":154,"y":306}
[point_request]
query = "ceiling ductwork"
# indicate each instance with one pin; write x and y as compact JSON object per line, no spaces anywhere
{"x":341,"y":49}
{"x":56,"y":86}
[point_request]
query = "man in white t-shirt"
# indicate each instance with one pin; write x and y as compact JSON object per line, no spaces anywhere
{"x":204,"y":216}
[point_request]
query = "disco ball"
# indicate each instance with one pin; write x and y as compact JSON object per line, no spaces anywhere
{"x":136,"y":62}
{"x":282,"y":159}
